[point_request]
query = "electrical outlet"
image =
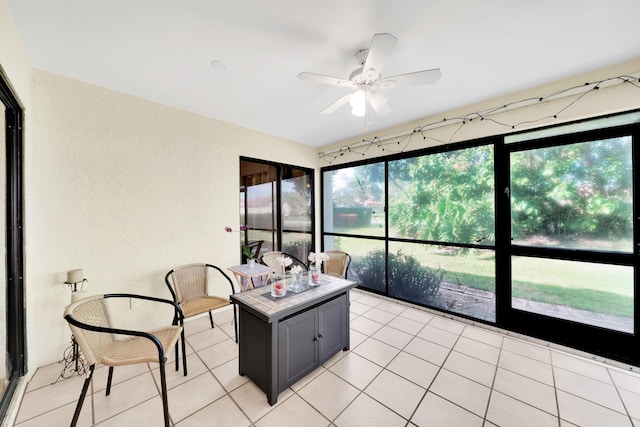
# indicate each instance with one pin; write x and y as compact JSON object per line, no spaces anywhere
{"x":134,"y":303}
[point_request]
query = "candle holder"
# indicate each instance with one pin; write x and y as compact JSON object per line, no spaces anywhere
{"x":73,"y":278}
{"x":279,"y":286}
{"x":315,"y":276}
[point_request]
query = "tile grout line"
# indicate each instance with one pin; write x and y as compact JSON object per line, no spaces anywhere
{"x":624,"y":405}
{"x":210,"y":370}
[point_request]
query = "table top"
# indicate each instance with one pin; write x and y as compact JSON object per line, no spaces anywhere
{"x":261,"y":302}
{"x":257,"y":270}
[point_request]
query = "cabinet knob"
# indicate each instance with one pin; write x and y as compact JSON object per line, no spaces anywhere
{"x":320,"y":336}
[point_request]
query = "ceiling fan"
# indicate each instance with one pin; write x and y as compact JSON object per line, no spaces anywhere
{"x":367,"y":79}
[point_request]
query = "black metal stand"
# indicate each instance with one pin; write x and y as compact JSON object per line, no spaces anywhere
{"x":72,"y":357}
{"x":73,"y":362}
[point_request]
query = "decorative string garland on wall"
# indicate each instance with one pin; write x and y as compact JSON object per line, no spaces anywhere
{"x":399,"y":143}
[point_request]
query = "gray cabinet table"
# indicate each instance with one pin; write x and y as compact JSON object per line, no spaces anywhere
{"x":283,"y":339}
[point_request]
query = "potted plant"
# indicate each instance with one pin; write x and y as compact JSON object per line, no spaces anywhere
{"x":246,"y":251}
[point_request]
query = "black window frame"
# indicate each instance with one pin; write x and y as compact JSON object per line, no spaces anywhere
{"x":278,"y":217}
{"x":620,"y":346}
{"x":16,"y":357}
{"x":386,"y":239}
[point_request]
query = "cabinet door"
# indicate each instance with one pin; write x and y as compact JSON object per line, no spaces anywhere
{"x":297,"y":347}
{"x":333,"y":327}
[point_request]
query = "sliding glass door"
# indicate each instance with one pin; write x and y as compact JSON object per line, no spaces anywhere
{"x":296,"y":211}
{"x":572,"y":232}
{"x":4,"y":377}
{"x":570,"y":262}
{"x":276,"y":203}
{"x":12,"y":304}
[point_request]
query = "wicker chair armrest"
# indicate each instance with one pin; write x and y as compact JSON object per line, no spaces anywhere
{"x":128,"y":332}
{"x":166,"y":281}
{"x":233,"y":289}
{"x":176,"y":306}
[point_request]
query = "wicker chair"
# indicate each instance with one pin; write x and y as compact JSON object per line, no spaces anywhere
{"x":337,"y":264}
{"x":91,"y":324}
{"x":194,"y":286}
{"x":270,"y":260}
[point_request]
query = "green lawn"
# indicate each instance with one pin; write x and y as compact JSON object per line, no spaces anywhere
{"x":579,"y":298}
{"x":599,"y":288}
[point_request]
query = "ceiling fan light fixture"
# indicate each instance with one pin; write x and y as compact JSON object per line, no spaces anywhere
{"x":379,"y":103}
{"x":358,"y":103}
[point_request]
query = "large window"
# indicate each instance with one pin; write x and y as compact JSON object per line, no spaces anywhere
{"x":296,"y":211}
{"x":443,"y":197}
{"x":276,"y":202}
{"x":533,"y":232}
{"x":354,"y":220}
{"x":574,"y":196}
{"x":356,"y":197}
{"x":440,"y":217}
{"x":442,"y":207}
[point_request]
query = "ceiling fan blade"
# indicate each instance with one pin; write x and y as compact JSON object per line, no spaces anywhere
{"x":339,"y":103}
{"x":380,"y":51}
{"x":327,"y":80}
{"x":425,"y":77}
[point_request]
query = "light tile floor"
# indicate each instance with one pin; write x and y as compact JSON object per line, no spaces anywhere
{"x":406,"y":367}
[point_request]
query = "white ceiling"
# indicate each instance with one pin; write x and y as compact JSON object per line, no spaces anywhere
{"x":162,"y":50}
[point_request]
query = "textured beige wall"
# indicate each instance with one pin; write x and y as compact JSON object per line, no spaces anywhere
{"x":127,"y":189}
{"x":13,"y":60}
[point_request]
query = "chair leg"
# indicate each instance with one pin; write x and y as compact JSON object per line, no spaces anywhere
{"x":184,"y":354}
{"x":175,"y":323}
{"x":87,"y":381}
{"x":109,"y":378}
{"x":211,"y":319}
{"x":165,"y":403}
{"x":177,"y":353}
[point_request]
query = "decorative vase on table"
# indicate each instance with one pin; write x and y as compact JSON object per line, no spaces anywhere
{"x":297,"y":285}
{"x":315,"y":276}
{"x":251,"y":262}
{"x":279,"y":286}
